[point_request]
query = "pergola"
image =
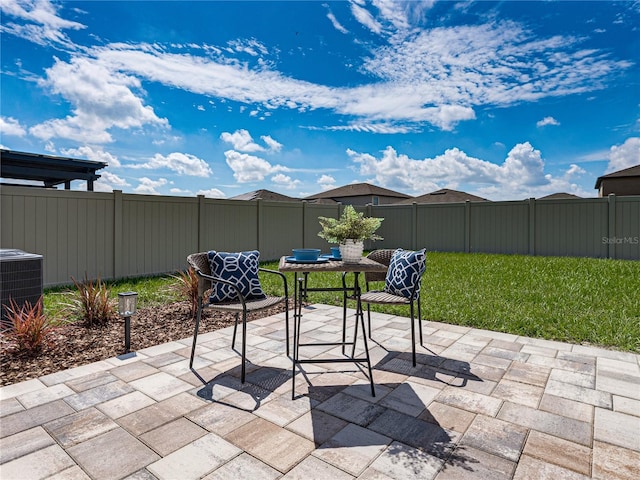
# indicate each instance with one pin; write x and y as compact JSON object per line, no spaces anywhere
{"x":48,"y":169}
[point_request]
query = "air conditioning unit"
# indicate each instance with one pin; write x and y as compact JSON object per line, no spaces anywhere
{"x":20,"y":279}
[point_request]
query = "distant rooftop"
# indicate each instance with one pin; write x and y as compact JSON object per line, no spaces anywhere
{"x":627,"y":172}
{"x":356,"y":190}
{"x":264,"y":195}
{"x":50,"y":170}
{"x":444,"y":195}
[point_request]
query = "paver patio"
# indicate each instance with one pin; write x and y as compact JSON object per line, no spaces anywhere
{"x":478,"y":405}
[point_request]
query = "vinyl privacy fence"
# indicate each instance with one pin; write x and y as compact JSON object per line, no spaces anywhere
{"x":117,"y":235}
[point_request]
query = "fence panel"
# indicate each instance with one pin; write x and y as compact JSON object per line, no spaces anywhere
{"x":499,"y":227}
{"x":571,"y":228}
{"x":442,"y":227}
{"x":397,"y":228}
{"x":626,"y":238}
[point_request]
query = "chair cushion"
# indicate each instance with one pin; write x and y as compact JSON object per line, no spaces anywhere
{"x":405,"y":270}
{"x":240,"y":268}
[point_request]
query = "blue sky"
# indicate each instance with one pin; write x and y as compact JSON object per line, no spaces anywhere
{"x":505,"y":100}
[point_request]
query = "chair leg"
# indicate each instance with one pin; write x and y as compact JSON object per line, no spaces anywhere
{"x":195,"y":333}
{"x":235,"y":329}
{"x":420,"y":323}
{"x":286,"y":319}
{"x":244,"y":345}
{"x":369,"y":318}
{"x":413,"y":334}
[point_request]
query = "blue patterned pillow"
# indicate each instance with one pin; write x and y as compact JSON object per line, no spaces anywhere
{"x":405,"y":269}
{"x":240,"y":268}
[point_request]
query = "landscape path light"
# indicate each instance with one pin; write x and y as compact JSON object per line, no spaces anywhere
{"x":127,"y":308}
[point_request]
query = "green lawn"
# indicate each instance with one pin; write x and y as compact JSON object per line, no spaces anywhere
{"x":577,"y":300}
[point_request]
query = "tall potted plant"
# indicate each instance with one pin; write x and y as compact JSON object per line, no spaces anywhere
{"x":349,"y":232}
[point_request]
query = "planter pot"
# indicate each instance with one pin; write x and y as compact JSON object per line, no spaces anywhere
{"x":351,"y":250}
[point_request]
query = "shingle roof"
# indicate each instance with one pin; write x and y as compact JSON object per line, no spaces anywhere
{"x":627,"y":172}
{"x":264,"y":195}
{"x":357,"y":190}
{"x":444,"y":195}
{"x":559,"y":196}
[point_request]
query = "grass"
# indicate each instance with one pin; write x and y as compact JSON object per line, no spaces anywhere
{"x":576,"y":300}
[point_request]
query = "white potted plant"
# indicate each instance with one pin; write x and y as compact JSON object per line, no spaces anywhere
{"x":349,"y":232}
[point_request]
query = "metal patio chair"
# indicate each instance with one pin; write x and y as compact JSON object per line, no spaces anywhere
{"x":239,"y":305}
{"x":381,"y":297}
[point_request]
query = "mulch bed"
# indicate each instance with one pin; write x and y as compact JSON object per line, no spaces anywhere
{"x":76,"y":344}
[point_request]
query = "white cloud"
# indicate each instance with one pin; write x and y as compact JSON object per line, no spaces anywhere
{"x":42,"y":24}
{"x":625,"y":155}
{"x":326,"y":182}
{"x":249,"y":168}
{"x":212,"y":193}
{"x":241,"y":140}
{"x":182,"y":163}
{"x":547,"y":121}
{"x":93,"y":154}
{"x":148,"y":186}
{"x":521,"y":175}
{"x":109,"y":182}
{"x":9,"y":126}
{"x":285,"y":181}
{"x":336,"y":24}
{"x":363,"y":16}
{"x":273,"y":145}
{"x":102,"y":99}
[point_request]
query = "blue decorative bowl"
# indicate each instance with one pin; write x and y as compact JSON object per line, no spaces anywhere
{"x":306,"y":254}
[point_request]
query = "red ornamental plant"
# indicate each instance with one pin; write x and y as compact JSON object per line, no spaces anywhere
{"x":93,"y":302}
{"x":30,"y":328}
{"x":187,"y":287}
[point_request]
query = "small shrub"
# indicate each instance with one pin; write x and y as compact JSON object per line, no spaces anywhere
{"x":187,"y":287}
{"x":30,"y":328}
{"x":92,"y":302}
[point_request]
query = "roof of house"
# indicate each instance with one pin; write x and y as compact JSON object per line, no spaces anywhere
{"x":559,"y":196}
{"x":627,"y":172}
{"x":48,"y":169}
{"x":357,"y":190}
{"x":264,"y":195}
{"x":444,"y":195}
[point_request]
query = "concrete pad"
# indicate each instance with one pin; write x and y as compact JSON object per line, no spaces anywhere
{"x":39,"y":464}
{"x":352,"y":449}
{"x":112,"y":455}
{"x":615,"y":463}
{"x":26,"y":419}
{"x":244,"y":467}
{"x":400,"y":461}
{"x":556,"y":425}
{"x":559,"y":452}
{"x":312,"y":467}
{"x":617,"y":428}
{"x":79,"y":427}
{"x":277,"y":447}
{"x":172,"y":436}
{"x":529,"y":468}
{"x":467,"y":463}
{"x":23,"y":443}
{"x":495,"y":436}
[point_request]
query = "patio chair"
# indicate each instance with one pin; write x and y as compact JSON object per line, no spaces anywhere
{"x":234,"y":287}
{"x":402,"y":285}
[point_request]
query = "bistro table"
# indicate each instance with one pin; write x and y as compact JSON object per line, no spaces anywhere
{"x":300,"y":293}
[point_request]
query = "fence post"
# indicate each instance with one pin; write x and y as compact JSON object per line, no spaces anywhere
{"x":305,"y":221}
{"x":414,"y":226}
{"x":260,"y":220}
{"x":201,"y":223}
{"x":117,"y":234}
{"x":467,"y":226}
{"x":611,"y":228}
{"x":532,"y":226}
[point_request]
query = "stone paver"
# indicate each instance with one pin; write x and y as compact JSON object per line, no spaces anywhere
{"x":478,"y":405}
